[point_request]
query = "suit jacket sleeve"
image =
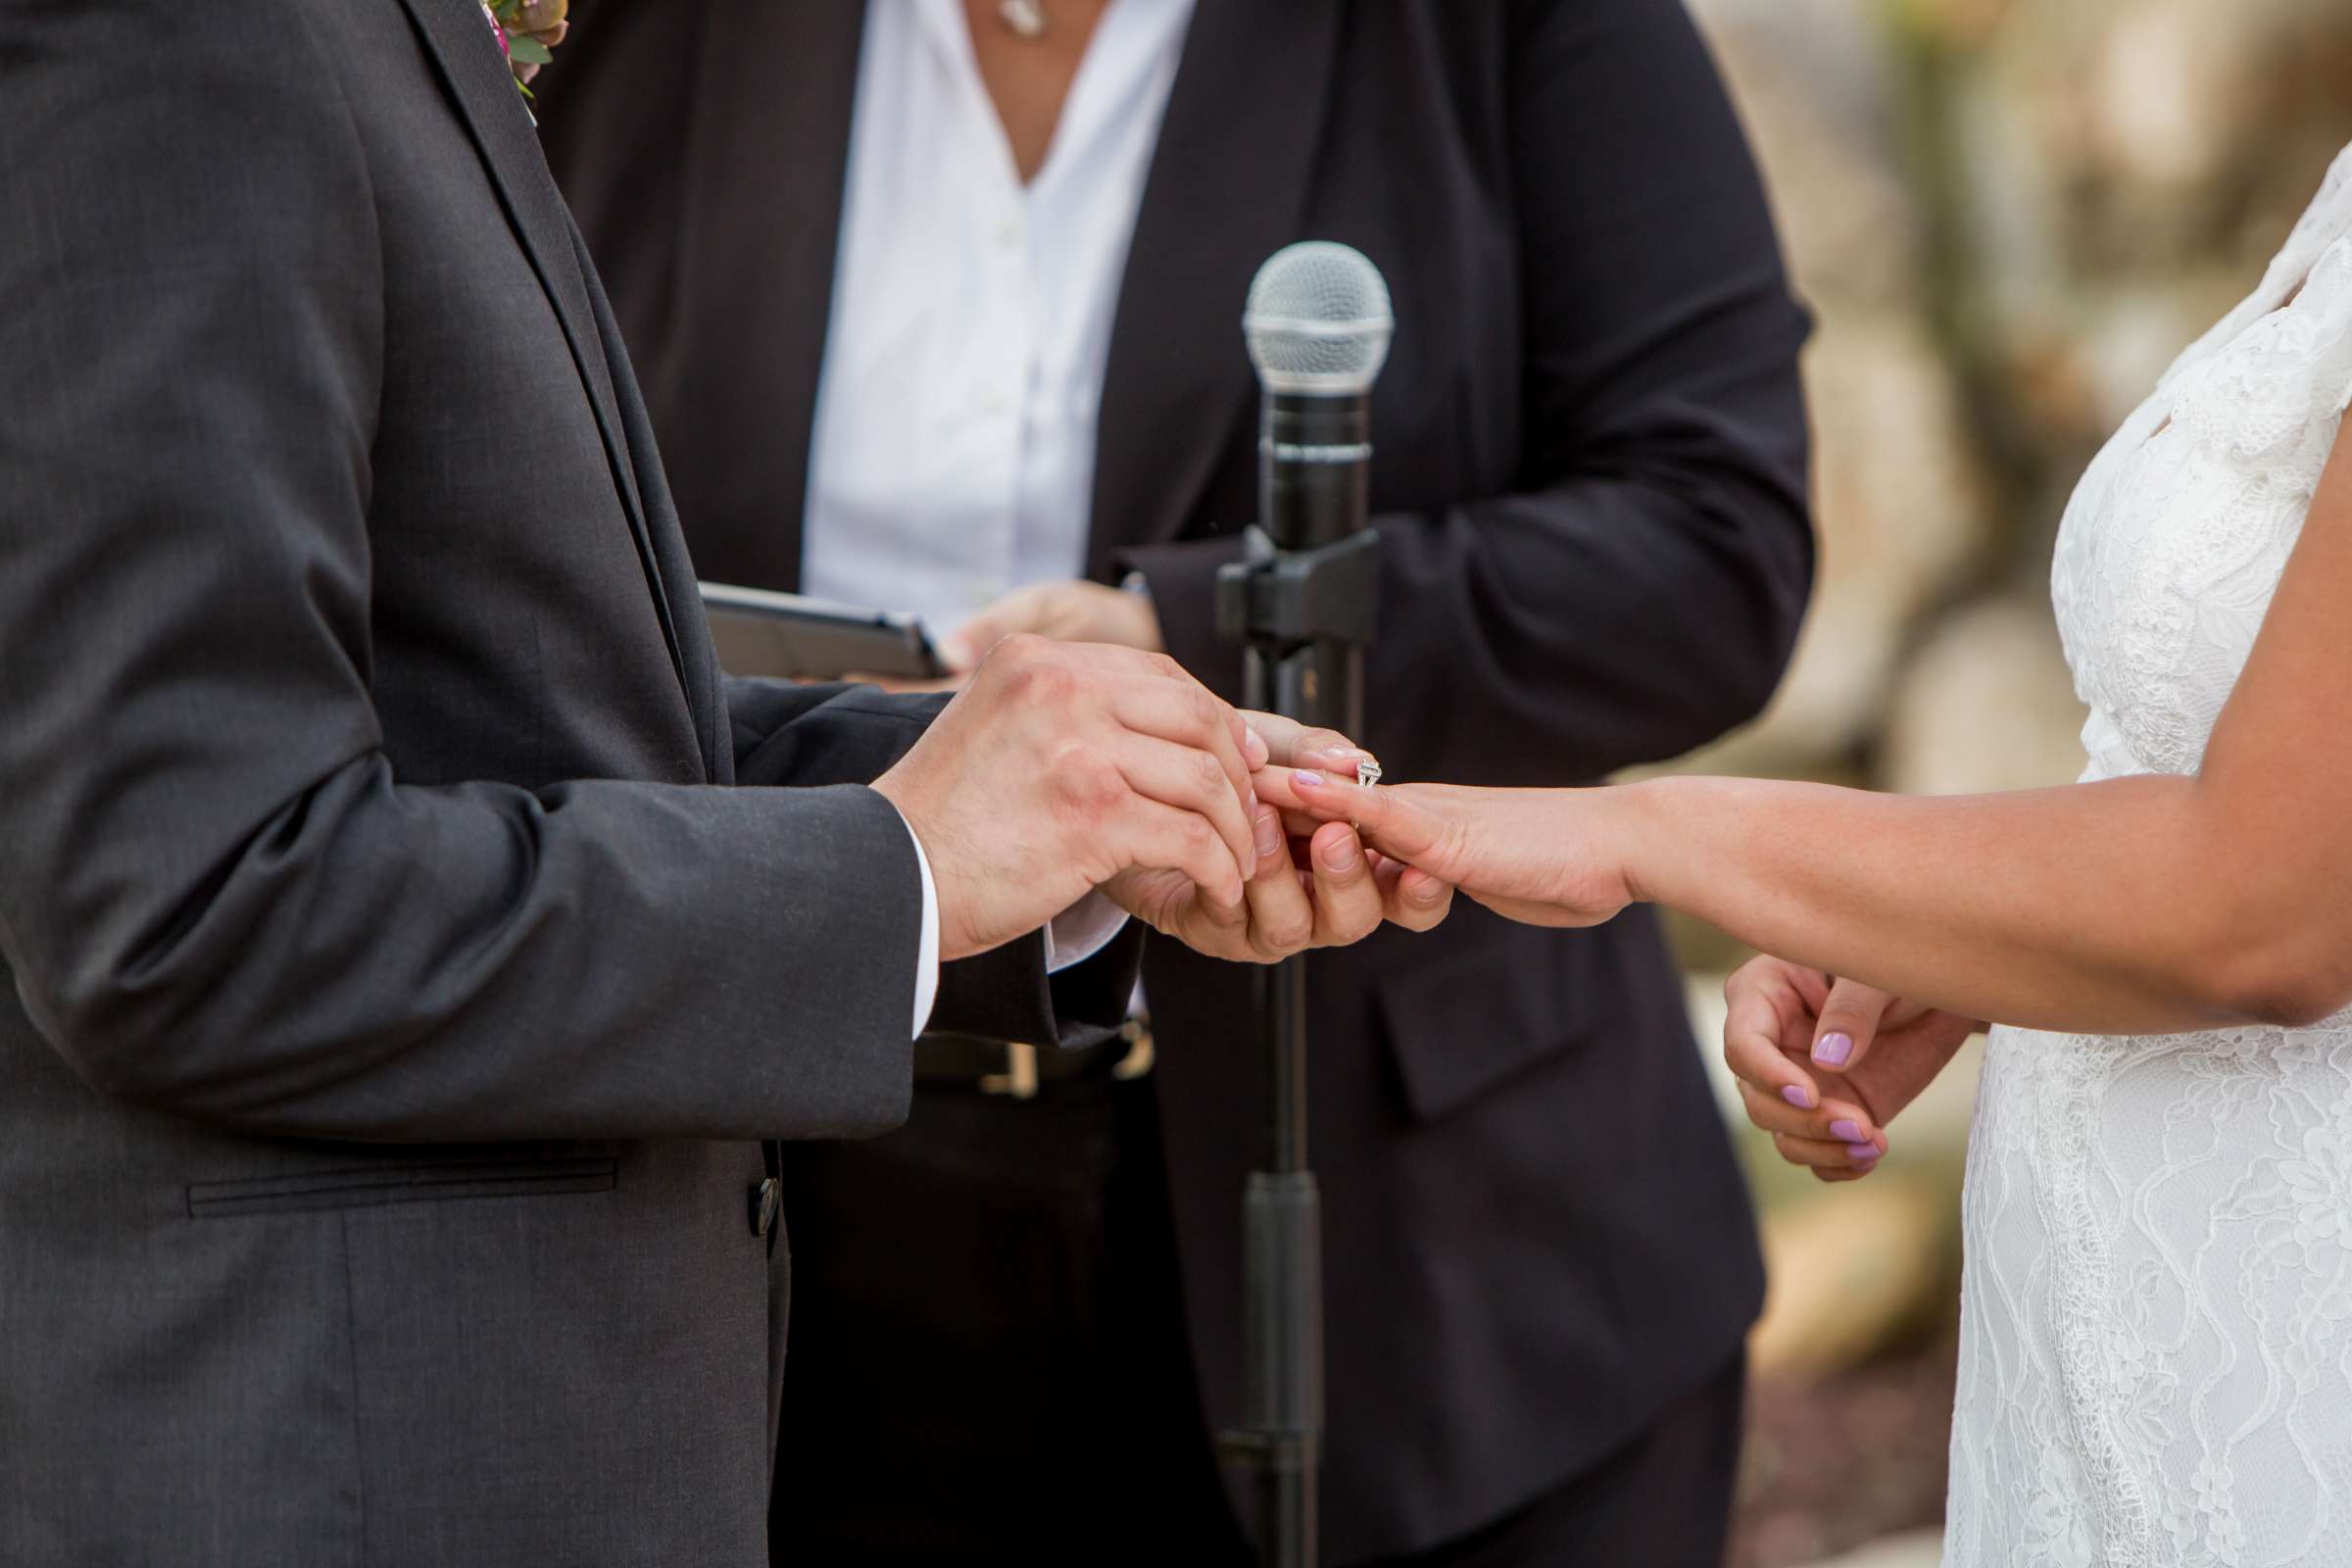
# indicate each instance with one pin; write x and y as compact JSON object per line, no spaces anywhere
{"x":851,"y":734}
{"x":1641,"y":591}
{"x":215,"y":897}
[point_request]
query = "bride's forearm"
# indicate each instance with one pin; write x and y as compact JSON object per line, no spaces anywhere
{"x":2107,"y":909}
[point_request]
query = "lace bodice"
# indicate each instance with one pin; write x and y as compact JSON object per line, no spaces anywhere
{"x":2156,"y":1363}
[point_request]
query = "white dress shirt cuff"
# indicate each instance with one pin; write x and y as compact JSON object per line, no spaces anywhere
{"x":1081,"y":931}
{"x":926,"y":957}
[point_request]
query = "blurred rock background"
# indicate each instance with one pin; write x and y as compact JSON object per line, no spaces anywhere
{"x":2009,"y":216}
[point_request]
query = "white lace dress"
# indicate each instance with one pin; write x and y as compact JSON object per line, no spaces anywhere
{"x":2156,"y":1351}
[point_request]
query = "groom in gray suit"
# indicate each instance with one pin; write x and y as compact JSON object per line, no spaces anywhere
{"x":404,"y":952}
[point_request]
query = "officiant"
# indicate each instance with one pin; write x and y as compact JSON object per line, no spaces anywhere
{"x":938,"y":307}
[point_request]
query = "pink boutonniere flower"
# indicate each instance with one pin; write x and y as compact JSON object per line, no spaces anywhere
{"x":528,"y":31}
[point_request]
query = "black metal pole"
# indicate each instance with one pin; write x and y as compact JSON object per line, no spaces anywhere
{"x":1283,"y":1275}
{"x":1302,"y":605}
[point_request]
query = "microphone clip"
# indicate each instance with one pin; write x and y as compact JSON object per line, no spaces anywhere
{"x":1284,"y":597}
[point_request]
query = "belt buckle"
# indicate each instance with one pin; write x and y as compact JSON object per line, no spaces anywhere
{"x":1019,"y":1080}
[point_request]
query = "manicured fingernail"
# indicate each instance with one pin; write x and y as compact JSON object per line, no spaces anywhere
{"x":1863,"y":1153}
{"x":1269,"y":833}
{"x":1845,"y":1131}
{"x":1799,"y":1096}
{"x":1832,"y":1051}
{"x":1307,"y":780}
{"x":1341,"y":853}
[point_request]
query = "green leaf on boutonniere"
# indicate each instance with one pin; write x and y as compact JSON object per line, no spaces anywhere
{"x":527,"y":50}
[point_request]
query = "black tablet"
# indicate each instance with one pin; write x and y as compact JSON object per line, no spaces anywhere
{"x":799,"y":638}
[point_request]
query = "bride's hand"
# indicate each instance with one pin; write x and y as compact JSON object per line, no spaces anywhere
{"x":1543,"y":856}
{"x":1824,"y":1065}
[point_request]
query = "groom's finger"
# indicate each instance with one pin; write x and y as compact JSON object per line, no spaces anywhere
{"x":1170,"y":838}
{"x":1849,"y":1022}
{"x":1291,"y":744}
{"x":1346,"y":896}
{"x":1180,"y":776}
{"x":1179,"y":709}
{"x":1411,"y":898}
{"x":1282,"y":917}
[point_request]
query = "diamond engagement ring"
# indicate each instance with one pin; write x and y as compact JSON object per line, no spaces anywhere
{"x":1367,"y":772}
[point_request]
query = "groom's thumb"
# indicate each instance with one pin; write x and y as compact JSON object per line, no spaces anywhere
{"x":1850,"y":1021}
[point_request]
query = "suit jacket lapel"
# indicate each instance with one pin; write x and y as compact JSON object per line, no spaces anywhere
{"x":455,"y":34}
{"x":1227,"y":189}
{"x":775,"y":93}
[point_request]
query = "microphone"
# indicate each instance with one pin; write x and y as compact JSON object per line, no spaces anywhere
{"x":1318,"y":324}
{"x":1301,"y":604}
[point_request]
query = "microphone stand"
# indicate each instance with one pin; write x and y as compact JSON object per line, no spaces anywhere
{"x":1302,"y":603}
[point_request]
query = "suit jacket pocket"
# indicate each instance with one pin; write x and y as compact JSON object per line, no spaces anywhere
{"x":370,"y":1186}
{"x":1508,"y":998}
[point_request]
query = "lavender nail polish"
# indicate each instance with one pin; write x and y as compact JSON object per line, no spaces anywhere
{"x":1845,"y":1131}
{"x":1832,"y":1051}
{"x":1799,"y":1096}
{"x":1312,"y":781}
{"x":1863,"y":1153}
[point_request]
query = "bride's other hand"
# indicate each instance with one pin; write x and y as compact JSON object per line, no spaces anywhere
{"x":1542,"y":856}
{"x":1823,"y":1064}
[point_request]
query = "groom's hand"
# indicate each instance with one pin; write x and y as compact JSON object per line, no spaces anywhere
{"x":1062,"y":766}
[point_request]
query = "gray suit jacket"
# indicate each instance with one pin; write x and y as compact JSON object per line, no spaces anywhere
{"x":402,"y":960}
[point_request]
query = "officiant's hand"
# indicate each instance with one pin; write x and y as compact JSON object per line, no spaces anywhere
{"x":1062,"y":767}
{"x":1321,"y":889}
{"x":1825,"y":1065}
{"x":1068,"y":611}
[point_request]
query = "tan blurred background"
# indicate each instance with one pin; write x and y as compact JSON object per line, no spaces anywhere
{"x":2009,"y":216}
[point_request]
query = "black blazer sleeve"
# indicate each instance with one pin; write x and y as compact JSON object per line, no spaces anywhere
{"x":216,"y":898}
{"x":851,"y":734}
{"x":1639,"y":590}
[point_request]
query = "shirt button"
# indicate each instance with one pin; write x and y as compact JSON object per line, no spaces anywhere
{"x":1009,"y":233}
{"x":992,"y":400}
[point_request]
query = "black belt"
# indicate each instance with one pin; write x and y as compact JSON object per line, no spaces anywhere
{"x":1020,"y":1070}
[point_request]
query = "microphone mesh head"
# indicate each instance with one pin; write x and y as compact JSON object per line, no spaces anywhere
{"x":1318,"y":321}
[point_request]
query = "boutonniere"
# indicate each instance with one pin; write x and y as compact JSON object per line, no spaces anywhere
{"x":527,"y":31}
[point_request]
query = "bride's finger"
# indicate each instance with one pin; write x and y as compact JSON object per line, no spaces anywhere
{"x":1389,"y":819}
{"x":1835,"y":1121}
{"x":1821,"y":1154}
{"x":1849,"y":1022}
{"x":1761,"y":1014}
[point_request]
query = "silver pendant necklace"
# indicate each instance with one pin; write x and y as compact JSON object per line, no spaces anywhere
{"x":1025,"y":17}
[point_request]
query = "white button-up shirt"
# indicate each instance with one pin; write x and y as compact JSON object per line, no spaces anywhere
{"x":953,"y":456}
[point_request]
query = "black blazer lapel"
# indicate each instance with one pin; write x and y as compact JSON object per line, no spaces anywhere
{"x":1228,"y":187}
{"x":455,"y":34}
{"x":775,"y":91}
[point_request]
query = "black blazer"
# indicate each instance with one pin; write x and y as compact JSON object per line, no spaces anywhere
{"x":395,"y":990}
{"x":1590,"y":481}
